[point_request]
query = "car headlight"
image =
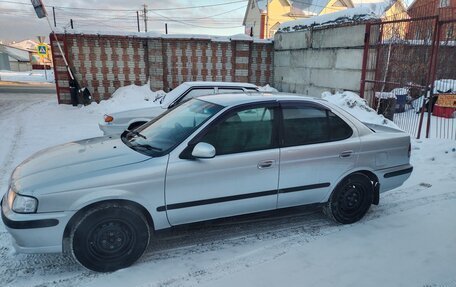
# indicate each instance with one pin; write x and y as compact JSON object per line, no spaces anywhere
{"x":21,"y":203}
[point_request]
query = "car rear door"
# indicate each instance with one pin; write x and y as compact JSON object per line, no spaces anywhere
{"x":317,"y":148}
{"x":242,"y":177}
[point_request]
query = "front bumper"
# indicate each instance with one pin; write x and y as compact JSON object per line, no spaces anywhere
{"x":37,"y":232}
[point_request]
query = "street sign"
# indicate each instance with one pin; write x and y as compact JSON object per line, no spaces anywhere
{"x":42,"y":49}
{"x":39,"y":8}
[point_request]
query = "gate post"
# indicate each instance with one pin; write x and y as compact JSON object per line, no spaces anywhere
{"x":365,"y":54}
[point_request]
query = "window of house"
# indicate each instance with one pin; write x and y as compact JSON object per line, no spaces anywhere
{"x":243,"y":131}
{"x":444,"y":3}
{"x":308,"y":125}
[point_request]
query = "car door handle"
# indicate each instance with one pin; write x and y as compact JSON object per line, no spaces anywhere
{"x":266,"y":163}
{"x":347,"y":153}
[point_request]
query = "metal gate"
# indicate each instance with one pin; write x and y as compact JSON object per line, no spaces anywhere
{"x":412,"y":61}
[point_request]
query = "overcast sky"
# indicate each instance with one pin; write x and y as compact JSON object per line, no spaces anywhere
{"x":18,"y":20}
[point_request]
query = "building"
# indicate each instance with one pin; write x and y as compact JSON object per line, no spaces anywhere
{"x":387,"y":10}
{"x":423,"y":30}
{"x":263,"y":17}
{"x":445,"y":9}
{"x":14,"y":59}
{"x":23,"y":56}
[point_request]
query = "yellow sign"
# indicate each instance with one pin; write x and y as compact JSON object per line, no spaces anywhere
{"x":447,"y":100}
{"x":42,"y":49}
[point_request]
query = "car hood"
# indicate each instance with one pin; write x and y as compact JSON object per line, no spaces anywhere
{"x":72,"y":161}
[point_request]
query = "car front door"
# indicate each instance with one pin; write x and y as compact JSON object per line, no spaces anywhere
{"x":317,"y":148}
{"x":241,"y":178}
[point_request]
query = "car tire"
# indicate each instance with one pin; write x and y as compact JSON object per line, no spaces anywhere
{"x":109,"y":237}
{"x":350,"y":200}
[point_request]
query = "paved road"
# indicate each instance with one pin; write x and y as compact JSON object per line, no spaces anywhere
{"x":18,"y":88}
{"x":12,"y":96}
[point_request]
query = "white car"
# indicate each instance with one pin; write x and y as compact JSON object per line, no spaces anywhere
{"x":116,"y":123}
{"x":212,"y":157}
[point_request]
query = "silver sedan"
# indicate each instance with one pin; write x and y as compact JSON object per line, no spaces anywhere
{"x":211,"y":157}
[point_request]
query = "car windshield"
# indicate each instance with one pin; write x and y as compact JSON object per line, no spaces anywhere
{"x":168,"y":130}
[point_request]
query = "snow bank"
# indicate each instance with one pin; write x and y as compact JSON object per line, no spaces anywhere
{"x":30,"y":76}
{"x":345,"y":16}
{"x":127,"y":98}
{"x":267,"y":89}
{"x":357,"y":107}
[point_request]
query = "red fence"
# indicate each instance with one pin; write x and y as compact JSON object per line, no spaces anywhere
{"x":412,"y":61}
{"x":103,"y":63}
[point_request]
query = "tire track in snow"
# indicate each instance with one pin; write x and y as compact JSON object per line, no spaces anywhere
{"x":277,"y":249}
{"x":10,"y":155}
{"x":274,"y":237}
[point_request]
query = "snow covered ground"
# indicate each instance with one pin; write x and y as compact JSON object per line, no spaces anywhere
{"x":30,"y":76}
{"x":408,"y":240}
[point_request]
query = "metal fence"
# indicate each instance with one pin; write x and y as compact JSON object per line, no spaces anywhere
{"x":410,"y":63}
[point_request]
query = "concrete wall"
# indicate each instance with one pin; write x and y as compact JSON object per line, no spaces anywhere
{"x":103,"y":63}
{"x":313,"y":61}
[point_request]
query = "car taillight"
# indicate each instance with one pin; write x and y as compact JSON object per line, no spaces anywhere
{"x":410,"y":150}
{"x":108,"y":118}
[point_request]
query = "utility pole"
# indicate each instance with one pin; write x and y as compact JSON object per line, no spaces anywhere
{"x":267,"y":20}
{"x":53,"y":14}
{"x":71,"y":23}
{"x":145,"y":17}
{"x":166,"y":28}
{"x":137,"y":20}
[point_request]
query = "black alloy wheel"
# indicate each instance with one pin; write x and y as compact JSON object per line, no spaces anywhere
{"x":351,"y":199}
{"x":110,"y":237}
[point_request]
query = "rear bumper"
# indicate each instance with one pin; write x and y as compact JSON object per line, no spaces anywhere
{"x":36,"y":233}
{"x":393,"y":177}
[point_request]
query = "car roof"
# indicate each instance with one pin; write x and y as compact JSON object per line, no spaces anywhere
{"x":234,"y":99}
{"x":219,"y":84}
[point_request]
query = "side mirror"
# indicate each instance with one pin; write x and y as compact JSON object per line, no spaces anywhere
{"x":203,"y":150}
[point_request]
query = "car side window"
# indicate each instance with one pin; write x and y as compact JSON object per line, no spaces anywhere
{"x":242,"y":131}
{"x":309,"y":125}
{"x":198,"y":92}
{"x":228,"y":90}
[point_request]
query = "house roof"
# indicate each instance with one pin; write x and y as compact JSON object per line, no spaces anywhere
{"x":302,"y":7}
{"x":28,"y":45}
{"x":299,"y":8}
{"x":379,"y":7}
{"x":15,"y":53}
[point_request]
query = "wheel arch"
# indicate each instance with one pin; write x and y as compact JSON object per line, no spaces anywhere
{"x":371,"y":175}
{"x":80,"y":213}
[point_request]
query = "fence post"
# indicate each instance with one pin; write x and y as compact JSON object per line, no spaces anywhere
{"x":430,"y":82}
{"x":365,"y":54}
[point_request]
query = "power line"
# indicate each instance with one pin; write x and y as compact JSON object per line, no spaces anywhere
{"x":110,"y":9}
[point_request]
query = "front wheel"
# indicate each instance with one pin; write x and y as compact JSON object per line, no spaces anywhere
{"x":109,"y":237}
{"x":351,"y":199}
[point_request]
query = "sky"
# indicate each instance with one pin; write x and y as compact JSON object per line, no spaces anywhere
{"x":18,"y":21}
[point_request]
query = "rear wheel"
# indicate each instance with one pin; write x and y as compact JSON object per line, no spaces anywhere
{"x":351,"y":199}
{"x":110,"y":237}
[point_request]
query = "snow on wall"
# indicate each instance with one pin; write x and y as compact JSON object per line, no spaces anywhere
{"x":103,"y":63}
{"x":352,"y":15}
